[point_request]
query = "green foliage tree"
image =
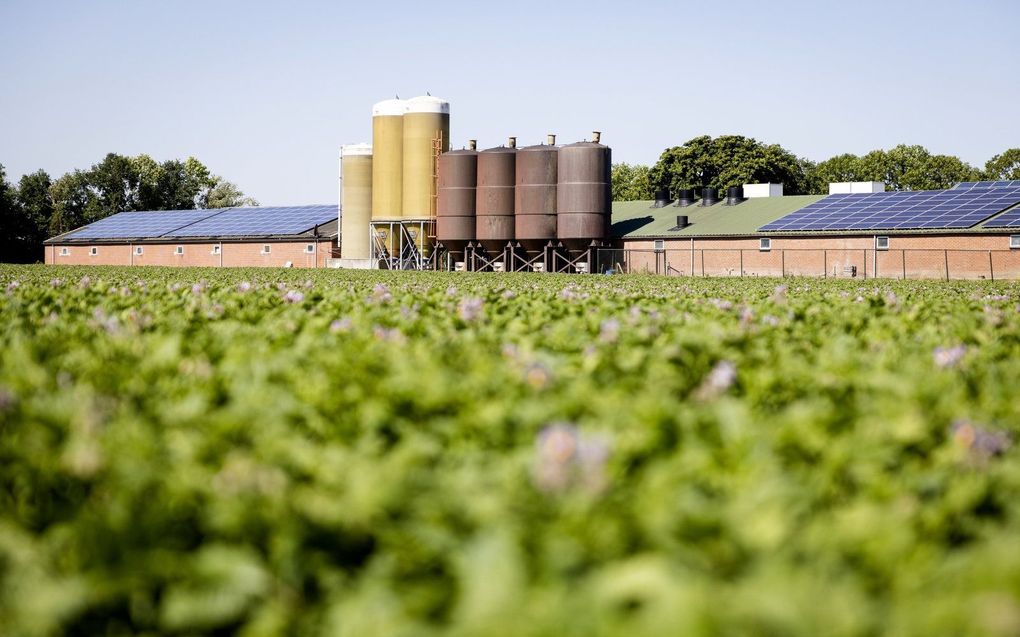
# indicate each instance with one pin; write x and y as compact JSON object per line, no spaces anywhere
{"x":1004,"y":166}
{"x":900,"y":168}
{"x":226,"y":194}
{"x":728,"y":160}
{"x":36,"y":208}
{"x":74,"y":202}
{"x":12,"y":221}
{"x":631,"y":182}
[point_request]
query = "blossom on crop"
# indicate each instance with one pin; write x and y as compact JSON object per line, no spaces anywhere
{"x":341,"y":325}
{"x":746,"y":316}
{"x":609,"y":331}
{"x":198,"y":288}
{"x":509,"y":294}
{"x":381,"y":293}
{"x":308,"y":283}
{"x":537,"y":375}
{"x":949,"y":356}
{"x":108,"y":323}
{"x":293,"y":296}
{"x":6,"y":399}
{"x":451,"y":291}
{"x":770,"y":320}
{"x":981,"y":443}
{"x":779,"y":294}
{"x":392,"y":335}
{"x":12,"y":286}
{"x":243,"y":286}
{"x":565,"y":458}
{"x":891,"y":299}
{"x":721,"y":378}
{"x":85,"y":282}
{"x":56,"y":282}
{"x":470,"y":309}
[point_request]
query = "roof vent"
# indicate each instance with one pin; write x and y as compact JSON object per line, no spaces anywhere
{"x":472,"y":144}
{"x":681,"y":223}
{"x":709,"y":196}
{"x":734,"y":195}
{"x":757,"y":191}
{"x":550,"y":139}
{"x":511,"y":142}
{"x":856,"y":187}
{"x":685,"y":197}
{"x":661,"y":198}
{"x":596,"y":136}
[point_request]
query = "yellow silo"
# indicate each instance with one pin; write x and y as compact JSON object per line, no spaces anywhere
{"x":427,"y":119}
{"x":387,"y":159}
{"x":355,"y":200}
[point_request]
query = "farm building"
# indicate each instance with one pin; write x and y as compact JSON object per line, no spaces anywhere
{"x":296,"y":236}
{"x":969,"y":232}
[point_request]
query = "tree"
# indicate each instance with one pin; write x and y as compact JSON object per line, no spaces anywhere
{"x":631,"y":182}
{"x":728,"y":160}
{"x":12,"y":222}
{"x":1004,"y":166}
{"x":36,"y":208}
{"x":73,"y":202}
{"x":226,"y":194}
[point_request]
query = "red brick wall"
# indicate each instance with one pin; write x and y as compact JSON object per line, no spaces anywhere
{"x":916,"y":257}
{"x":196,"y":254}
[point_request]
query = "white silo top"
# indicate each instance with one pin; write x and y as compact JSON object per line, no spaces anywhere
{"x":389,"y":107}
{"x":356,"y":149}
{"x":428,"y":104}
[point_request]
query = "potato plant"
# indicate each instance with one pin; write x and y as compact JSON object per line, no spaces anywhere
{"x":267,"y":452}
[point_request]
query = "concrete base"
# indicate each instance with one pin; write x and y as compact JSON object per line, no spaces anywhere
{"x":354,"y":264}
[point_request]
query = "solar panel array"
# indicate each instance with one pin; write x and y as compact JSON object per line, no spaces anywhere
{"x":1008,"y":219}
{"x":127,"y":225}
{"x":968,"y":185}
{"x":207,"y":223}
{"x":922,"y":209}
{"x":239,"y":222}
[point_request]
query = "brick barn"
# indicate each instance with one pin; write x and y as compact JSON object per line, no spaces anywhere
{"x":295,"y":236}
{"x":728,"y":240}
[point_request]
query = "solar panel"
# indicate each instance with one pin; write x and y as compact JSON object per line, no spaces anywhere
{"x":968,"y":185}
{"x":1008,"y":219}
{"x":915,"y":210}
{"x":149,"y":224}
{"x":269,"y":221}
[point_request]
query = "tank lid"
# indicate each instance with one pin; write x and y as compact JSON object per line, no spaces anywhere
{"x":356,"y":149}
{"x":389,"y":107}
{"x":500,"y":149}
{"x":428,"y":104}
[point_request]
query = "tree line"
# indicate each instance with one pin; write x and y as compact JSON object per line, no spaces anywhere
{"x":38,"y":207}
{"x":733,"y":160}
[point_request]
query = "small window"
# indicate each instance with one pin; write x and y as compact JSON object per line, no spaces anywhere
{"x":216,"y":249}
{"x":93,"y":250}
{"x":764,"y":244}
{"x":1014,"y":241}
{"x":310,"y":248}
{"x":179,"y":250}
{"x":881,"y":243}
{"x":660,"y":245}
{"x":138,"y":250}
{"x":64,"y":252}
{"x":266,"y":249}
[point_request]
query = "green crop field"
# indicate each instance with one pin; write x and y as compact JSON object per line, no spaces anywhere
{"x":267,"y":452}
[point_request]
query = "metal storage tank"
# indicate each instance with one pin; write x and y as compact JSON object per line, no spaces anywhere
{"x":456,"y":203}
{"x":583,"y":193}
{"x":535,"y":196}
{"x":427,"y":118}
{"x":494,"y":226}
{"x":387,"y":158}
{"x":355,"y":200}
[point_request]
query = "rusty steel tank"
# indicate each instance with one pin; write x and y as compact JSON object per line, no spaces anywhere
{"x":535,"y":196}
{"x":494,"y":223}
{"x":456,"y":198}
{"x":583,"y":193}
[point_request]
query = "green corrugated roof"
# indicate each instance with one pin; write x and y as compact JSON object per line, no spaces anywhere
{"x":633,"y":219}
{"x":637,"y":219}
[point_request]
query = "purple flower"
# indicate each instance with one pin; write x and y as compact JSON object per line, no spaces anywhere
{"x":85,"y":282}
{"x":721,"y":378}
{"x":779,"y":294}
{"x":341,"y":325}
{"x":982,"y":444}
{"x":293,"y":296}
{"x":381,"y":293}
{"x":949,"y":356}
{"x":12,"y":286}
{"x":56,"y":282}
{"x":243,"y":286}
{"x":565,"y":458}
{"x":198,"y":288}
{"x":469,"y":309}
{"x":609,"y":331}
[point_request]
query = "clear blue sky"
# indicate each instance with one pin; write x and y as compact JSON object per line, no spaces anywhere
{"x":265,"y":93}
